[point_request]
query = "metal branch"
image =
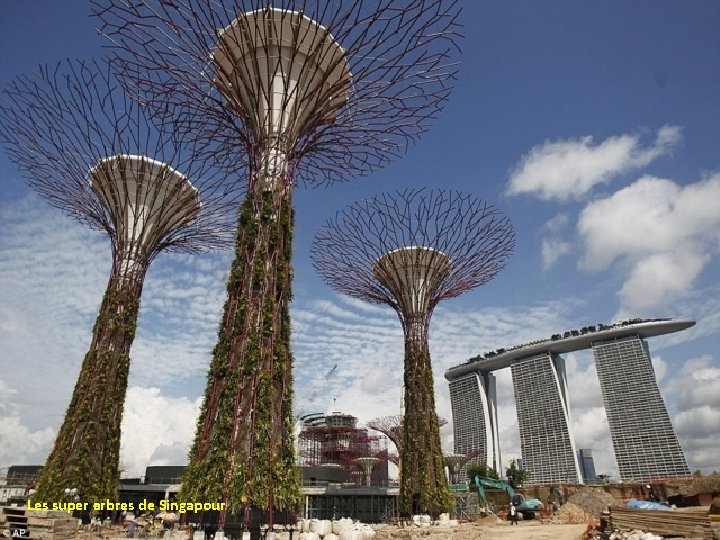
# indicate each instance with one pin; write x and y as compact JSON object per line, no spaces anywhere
{"x":59,"y":124}
{"x":410,"y":250}
{"x":391,"y":427}
{"x":371,"y":75}
{"x":474,"y":237}
{"x":92,"y":152}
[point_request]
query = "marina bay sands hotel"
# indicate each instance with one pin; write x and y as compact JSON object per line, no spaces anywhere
{"x":643,"y":437}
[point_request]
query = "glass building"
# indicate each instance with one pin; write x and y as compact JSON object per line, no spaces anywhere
{"x":543,"y":412}
{"x":587,"y":465}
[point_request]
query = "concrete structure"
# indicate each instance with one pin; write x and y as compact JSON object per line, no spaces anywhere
{"x":644,"y":440}
{"x":286,"y":74}
{"x":645,"y":443}
{"x":475,"y":423}
{"x":543,"y":410}
{"x":15,"y":482}
{"x":147,"y":200}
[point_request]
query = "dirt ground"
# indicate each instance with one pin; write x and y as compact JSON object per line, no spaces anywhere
{"x":529,"y":530}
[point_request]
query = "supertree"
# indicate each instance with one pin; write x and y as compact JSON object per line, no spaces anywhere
{"x":454,"y":463}
{"x":410,"y":250}
{"x":367,"y":464}
{"x":286,"y":91}
{"x":92,"y":152}
{"x":391,"y":427}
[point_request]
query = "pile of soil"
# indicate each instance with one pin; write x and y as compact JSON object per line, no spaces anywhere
{"x":593,"y":500}
{"x":584,"y":506}
{"x":531,"y":530}
{"x":715,"y":506}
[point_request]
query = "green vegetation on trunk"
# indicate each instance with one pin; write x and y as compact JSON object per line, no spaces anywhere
{"x":86,"y":455}
{"x":244,"y":451}
{"x":423,"y":485}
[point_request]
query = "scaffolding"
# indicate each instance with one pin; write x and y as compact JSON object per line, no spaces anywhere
{"x":336,"y":440}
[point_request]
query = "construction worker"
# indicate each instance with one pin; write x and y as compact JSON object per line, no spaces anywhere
{"x":513,"y":514}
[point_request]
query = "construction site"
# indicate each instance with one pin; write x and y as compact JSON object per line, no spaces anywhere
{"x":347,"y":479}
{"x":339,"y":492}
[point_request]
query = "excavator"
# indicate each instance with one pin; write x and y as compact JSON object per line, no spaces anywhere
{"x":526,"y":507}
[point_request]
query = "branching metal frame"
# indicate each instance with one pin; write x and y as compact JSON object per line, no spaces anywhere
{"x":410,"y":250}
{"x":396,"y":73}
{"x":90,"y":151}
{"x":287,"y":92}
{"x":391,"y":427}
{"x":473,"y":234}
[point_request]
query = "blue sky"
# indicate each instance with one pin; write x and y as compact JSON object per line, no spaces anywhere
{"x":593,"y":126}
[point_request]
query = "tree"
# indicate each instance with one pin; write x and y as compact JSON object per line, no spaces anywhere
{"x":92,"y":152}
{"x":411,"y":250}
{"x":481,"y":469}
{"x":515,"y":475}
{"x":286,"y":93}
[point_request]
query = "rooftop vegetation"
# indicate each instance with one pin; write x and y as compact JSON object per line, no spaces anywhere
{"x":566,"y":335}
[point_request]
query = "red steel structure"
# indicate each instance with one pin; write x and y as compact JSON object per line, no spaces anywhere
{"x":337,"y":440}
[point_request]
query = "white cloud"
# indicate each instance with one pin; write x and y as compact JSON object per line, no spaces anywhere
{"x":569,"y":169}
{"x":553,"y":247}
{"x":552,"y":250}
{"x":696,"y":385}
{"x":156,"y":429}
{"x":657,"y":279}
{"x":557,"y":222}
{"x":17,"y":439}
{"x":663,"y":233}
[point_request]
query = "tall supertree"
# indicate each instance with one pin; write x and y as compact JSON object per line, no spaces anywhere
{"x":285,"y":91}
{"x":410,"y":250}
{"x":92,"y":152}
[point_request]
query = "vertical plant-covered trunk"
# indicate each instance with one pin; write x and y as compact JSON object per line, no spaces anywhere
{"x":423,"y":485}
{"x":244,"y":451}
{"x":86,"y":455}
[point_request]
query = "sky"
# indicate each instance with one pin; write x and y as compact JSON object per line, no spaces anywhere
{"x":594,"y":127}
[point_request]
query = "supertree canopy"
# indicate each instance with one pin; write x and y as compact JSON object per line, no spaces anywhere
{"x":314,"y":91}
{"x":391,"y":427}
{"x":90,"y":151}
{"x":284,"y":91}
{"x":410,"y":250}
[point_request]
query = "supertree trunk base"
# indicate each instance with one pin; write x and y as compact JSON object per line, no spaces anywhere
{"x":423,"y":485}
{"x":244,"y":447}
{"x":86,"y":455}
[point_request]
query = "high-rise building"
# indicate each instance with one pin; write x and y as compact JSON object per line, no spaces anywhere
{"x":644,"y":440}
{"x":587,"y":465}
{"x":475,"y":426}
{"x":543,"y":411}
{"x":645,"y":443}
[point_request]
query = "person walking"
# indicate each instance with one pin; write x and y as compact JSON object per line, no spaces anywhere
{"x":513,"y":514}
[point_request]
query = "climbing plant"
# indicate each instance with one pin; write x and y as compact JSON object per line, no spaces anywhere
{"x":86,"y":455}
{"x":244,"y":451}
{"x":410,"y":250}
{"x":423,"y":486}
